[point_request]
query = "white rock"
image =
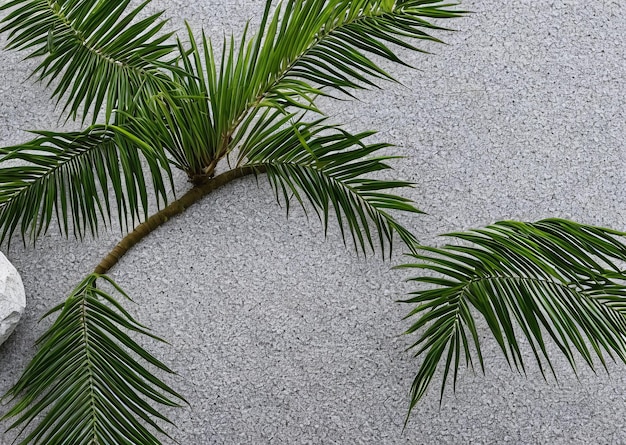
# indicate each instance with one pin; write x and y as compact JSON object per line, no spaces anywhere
{"x":12,"y":298}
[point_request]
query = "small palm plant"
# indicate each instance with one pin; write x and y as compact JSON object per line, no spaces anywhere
{"x":156,"y":102}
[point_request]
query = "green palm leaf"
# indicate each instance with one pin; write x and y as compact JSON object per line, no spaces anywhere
{"x":87,"y":380}
{"x":330,"y":167}
{"x":183,"y":121}
{"x":302,"y":50}
{"x":70,"y":176}
{"x":553,"y":279}
{"x":311,"y":46}
{"x":94,"y":49}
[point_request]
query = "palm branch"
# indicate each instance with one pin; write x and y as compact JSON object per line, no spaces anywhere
{"x":302,"y":50}
{"x":553,"y":279}
{"x":94,"y":51}
{"x":330,"y":174}
{"x":71,"y":175}
{"x":87,"y":380}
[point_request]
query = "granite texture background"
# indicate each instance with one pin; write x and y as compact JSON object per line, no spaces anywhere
{"x":283,"y":336}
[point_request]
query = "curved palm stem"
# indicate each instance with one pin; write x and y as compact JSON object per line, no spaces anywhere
{"x":175,"y":208}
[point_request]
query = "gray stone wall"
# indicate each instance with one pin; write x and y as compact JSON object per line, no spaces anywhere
{"x":282,"y":336}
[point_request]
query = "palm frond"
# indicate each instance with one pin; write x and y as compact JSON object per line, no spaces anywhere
{"x":87,"y":380}
{"x":220,"y":91}
{"x":70,"y":176}
{"x":183,"y":121}
{"x":313,"y":46}
{"x":95,"y":50}
{"x":553,"y":279}
{"x":329,"y":167}
{"x":302,"y":50}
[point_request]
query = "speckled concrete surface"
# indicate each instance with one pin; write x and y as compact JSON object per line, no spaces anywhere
{"x":283,"y":337}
